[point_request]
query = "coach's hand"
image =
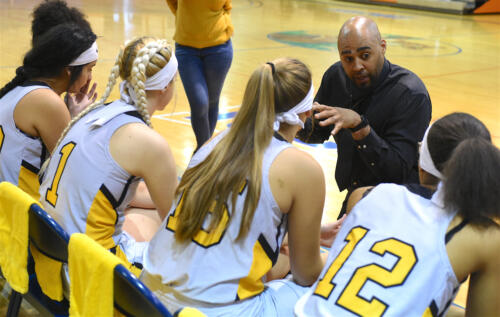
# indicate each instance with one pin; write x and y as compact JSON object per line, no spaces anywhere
{"x":342,"y":118}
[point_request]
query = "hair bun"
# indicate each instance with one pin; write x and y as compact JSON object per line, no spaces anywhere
{"x":21,"y":72}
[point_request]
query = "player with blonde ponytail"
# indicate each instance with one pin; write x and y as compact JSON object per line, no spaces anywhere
{"x":241,"y":193}
{"x":108,"y":149}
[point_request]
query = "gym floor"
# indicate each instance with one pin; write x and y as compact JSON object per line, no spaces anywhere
{"x":457,"y":57}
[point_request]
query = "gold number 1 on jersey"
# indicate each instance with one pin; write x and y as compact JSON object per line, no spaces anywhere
{"x":1,"y":138}
{"x":51,"y":195}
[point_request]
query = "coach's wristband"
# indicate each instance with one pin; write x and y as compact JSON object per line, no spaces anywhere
{"x":361,"y":125}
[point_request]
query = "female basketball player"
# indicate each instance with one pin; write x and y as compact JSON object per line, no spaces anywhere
{"x":106,"y":149}
{"x":49,"y":14}
{"x":241,"y":192}
{"x":32,"y":114}
{"x":404,"y":250}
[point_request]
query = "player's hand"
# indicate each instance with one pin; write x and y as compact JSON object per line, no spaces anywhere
{"x":329,"y":232}
{"x":284,"y":246}
{"x":340,"y":117}
{"x":81,"y":100}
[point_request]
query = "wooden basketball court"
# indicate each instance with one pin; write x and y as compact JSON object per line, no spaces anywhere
{"x":456,"y":56}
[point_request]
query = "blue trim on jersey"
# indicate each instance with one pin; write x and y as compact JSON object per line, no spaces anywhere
{"x":30,"y":167}
{"x":420,"y":190}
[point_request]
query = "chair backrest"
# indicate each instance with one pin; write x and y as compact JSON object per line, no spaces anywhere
{"x":47,"y":235}
{"x":133,"y":298}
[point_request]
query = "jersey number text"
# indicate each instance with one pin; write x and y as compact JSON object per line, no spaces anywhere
{"x":203,"y":237}
{"x":349,"y":297}
{"x":1,"y":138}
{"x":51,"y":195}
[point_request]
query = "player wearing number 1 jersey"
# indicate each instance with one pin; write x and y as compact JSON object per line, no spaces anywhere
{"x":84,"y":189}
{"x":403,"y":250}
{"x":241,"y":193}
{"x":94,"y":170}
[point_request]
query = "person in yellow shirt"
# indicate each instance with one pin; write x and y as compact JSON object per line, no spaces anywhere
{"x":204,"y":50}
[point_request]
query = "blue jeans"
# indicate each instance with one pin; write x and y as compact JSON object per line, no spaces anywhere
{"x":203,"y":72}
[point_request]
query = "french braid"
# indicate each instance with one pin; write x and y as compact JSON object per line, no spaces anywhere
{"x":138,"y":75}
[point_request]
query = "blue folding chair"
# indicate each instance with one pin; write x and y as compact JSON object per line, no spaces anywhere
{"x":133,"y":298}
{"x":50,"y":239}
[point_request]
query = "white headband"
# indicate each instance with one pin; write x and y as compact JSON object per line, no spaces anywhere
{"x":425,"y":160}
{"x":86,"y":57}
{"x":162,"y":78}
{"x":158,"y":81}
{"x":291,"y":116}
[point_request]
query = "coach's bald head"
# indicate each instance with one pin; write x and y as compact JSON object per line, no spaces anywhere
{"x":361,"y":50}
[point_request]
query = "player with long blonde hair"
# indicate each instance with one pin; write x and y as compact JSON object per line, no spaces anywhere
{"x":108,"y":148}
{"x":242,"y":192}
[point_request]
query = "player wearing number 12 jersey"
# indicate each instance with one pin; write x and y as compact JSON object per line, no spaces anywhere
{"x":403,"y":250}
{"x":388,"y":251}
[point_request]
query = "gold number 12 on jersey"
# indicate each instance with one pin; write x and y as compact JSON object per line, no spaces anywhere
{"x":349,"y":298}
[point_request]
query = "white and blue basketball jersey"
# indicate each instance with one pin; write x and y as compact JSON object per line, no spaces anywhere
{"x":83,"y":187}
{"x":215,"y":270}
{"x":21,"y":155}
{"x":389,"y":259}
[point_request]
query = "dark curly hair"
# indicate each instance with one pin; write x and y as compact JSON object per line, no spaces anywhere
{"x":53,"y":51}
{"x":54,"y":12}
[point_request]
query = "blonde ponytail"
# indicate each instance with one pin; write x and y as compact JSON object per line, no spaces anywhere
{"x":237,"y":159}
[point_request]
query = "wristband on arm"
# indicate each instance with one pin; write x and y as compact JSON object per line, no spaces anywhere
{"x":361,"y":125}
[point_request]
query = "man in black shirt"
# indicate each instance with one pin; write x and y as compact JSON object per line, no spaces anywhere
{"x":376,"y":111}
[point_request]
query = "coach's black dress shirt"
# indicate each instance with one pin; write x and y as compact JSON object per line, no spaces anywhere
{"x":398,"y":109}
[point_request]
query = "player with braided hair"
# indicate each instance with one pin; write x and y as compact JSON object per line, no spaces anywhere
{"x":108,"y":148}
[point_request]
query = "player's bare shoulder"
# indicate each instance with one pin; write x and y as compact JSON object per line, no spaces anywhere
{"x":300,"y":162}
